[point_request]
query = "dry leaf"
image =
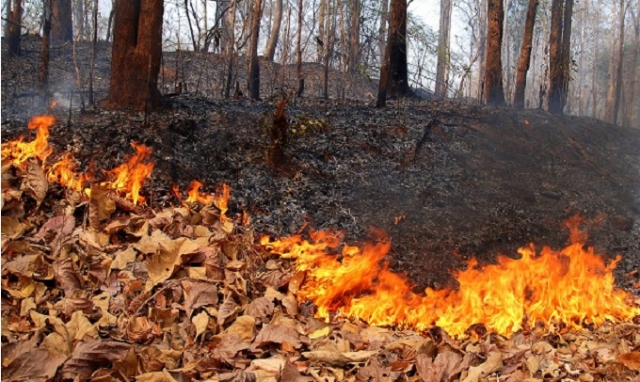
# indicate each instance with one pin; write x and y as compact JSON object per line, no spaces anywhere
{"x":290,"y":373}
{"x":34,"y":183}
{"x":90,"y":355}
{"x":261,"y":307}
{"x":238,"y":376}
{"x":122,"y":258}
{"x":198,"y":294}
{"x":631,"y":360}
{"x":156,"y":376}
{"x":277,"y":334}
{"x":101,"y":206}
{"x":36,"y":364}
{"x":162,"y":265}
{"x":79,"y":326}
{"x":243,"y":327}
{"x":200,"y":321}
{"x":491,"y":365}
{"x":339,"y":359}
{"x":228,"y":310}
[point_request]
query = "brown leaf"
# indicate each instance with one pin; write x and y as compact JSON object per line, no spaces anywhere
{"x":277,"y":334}
{"x":491,"y":365}
{"x":631,"y":360}
{"x":169,"y":257}
{"x":229,"y":346}
{"x":12,"y":350}
{"x":36,"y":364}
{"x":228,"y":310}
{"x":89,"y":355}
{"x":198,"y":294}
{"x":424,"y":365}
{"x":339,"y":359}
{"x":243,"y":327}
{"x":101,"y":206}
{"x":67,"y":278}
{"x":141,"y":329}
{"x":12,"y":228}
{"x":156,"y":376}
{"x":124,"y":257}
{"x":56,"y":226}
{"x":290,"y":373}
{"x":238,"y":376}
{"x":261,"y":307}
{"x":79,"y":326}
{"x":373,"y":372}
{"x":35,"y":182}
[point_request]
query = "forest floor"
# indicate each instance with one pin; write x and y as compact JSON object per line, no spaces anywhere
{"x":445,"y":180}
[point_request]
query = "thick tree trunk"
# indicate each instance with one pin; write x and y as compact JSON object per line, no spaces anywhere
{"x":619,"y":63}
{"x":493,"y":62}
{"x":321,"y":38}
{"x":61,"y":25}
{"x":444,"y":34}
{"x":94,"y":43}
{"x":555,"y":59}
{"x":382,"y":30}
{"x":383,"y":85}
{"x":398,"y":85}
{"x":482,"y":47}
{"x":136,"y":53}
{"x":633,"y":72}
{"x":254,"y":62}
{"x":43,"y":66}
{"x":327,"y":47}
{"x":270,"y":52}
{"x":525,"y":55}
{"x":354,"y":48}
{"x":13,"y":29}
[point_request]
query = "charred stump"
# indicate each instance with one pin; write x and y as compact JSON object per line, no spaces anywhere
{"x":278,"y":138}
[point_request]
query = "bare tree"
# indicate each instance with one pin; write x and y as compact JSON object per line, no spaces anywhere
{"x":633,"y":72}
{"x":43,"y":66}
{"x":61,"y":25}
{"x":444,"y":34}
{"x":382,"y":29}
{"x":354,"y":43}
{"x":559,"y":54}
{"x":230,"y":47}
{"x":615,"y":83}
{"x":136,"y":53}
{"x":327,"y":47}
{"x":525,"y":55}
{"x":270,"y":52}
{"x":394,"y":71}
{"x":254,"y":63}
{"x":299,"y":47}
{"x":493,"y":61}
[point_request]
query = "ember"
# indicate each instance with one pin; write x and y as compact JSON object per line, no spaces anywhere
{"x":572,"y":287}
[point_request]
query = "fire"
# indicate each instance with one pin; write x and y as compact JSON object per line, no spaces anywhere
{"x":65,"y":172}
{"x":130,"y":176}
{"x":220,"y":199}
{"x":18,"y":152}
{"x":572,"y":287}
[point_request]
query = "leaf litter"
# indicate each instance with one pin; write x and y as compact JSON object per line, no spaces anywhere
{"x":105,"y":291}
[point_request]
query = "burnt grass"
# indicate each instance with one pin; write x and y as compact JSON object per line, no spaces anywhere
{"x":445,"y":180}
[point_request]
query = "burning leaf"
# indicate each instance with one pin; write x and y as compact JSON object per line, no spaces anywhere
{"x":338,"y":359}
{"x":35,"y":182}
{"x":198,"y":294}
{"x":34,"y":364}
{"x":128,"y":178}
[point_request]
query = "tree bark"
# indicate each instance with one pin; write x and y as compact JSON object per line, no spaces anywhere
{"x":398,"y":84}
{"x":327,"y":47}
{"x":43,"y":66}
{"x":94,"y":43}
{"x":270,"y":52}
{"x":382,"y":30}
{"x":354,"y":48}
{"x":444,"y":34}
{"x":136,"y":53}
{"x":61,"y":25}
{"x":493,"y":62}
{"x":628,"y":112}
{"x":555,"y":59}
{"x":566,"y":51}
{"x":254,"y":63}
{"x":619,"y":63}
{"x":525,"y":55}
{"x":299,"y":47}
{"x":230,"y":47}
{"x":321,"y":38}
{"x":14,"y":27}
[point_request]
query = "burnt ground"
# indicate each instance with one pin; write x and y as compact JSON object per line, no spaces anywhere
{"x":462,"y":180}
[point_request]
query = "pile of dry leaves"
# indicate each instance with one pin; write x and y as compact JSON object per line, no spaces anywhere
{"x":103,"y":290}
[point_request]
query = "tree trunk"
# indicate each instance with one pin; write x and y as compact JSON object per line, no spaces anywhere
{"x":493,"y":61}
{"x":14,"y":27}
{"x":354,"y":48}
{"x":136,"y":53}
{"x":254,"y":63}
{"x":270,"y":53}
{"x":321,"y":38}
{"x":482,"y":47}
{"x":93,"y":51}
{"x":230,"y":47}
{"x":383,"y":85}
{"x":525,"y":55}
{"x":299,"y":47}
{"x":619,"y":62}
{"x":444,"y":36}
{"x":61,"y":25}
{"x":398,"y":84}
{"x":633,"y":72}
{"x":382,"y":30}
{"x":566,"y":51}
{"x":555,"y":59}
{"x":327,"y":47}
{"x":43,"y":67}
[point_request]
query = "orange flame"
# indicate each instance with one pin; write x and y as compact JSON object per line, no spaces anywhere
{"x":194,"y":195}
{"x":64,"y":172}
{"x":19,"y":152}
{"x":574,"y":286}
{"x":130,"y":176}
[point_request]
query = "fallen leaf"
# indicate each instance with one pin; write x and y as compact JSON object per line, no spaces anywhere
{"x":491,"y":365}
{"x":90,"y":355}
{"x":228,"y":310}
{"x":631,"y":360}
{"x":261,"y":307}
{"x":101,"y":206}
{"x":198,"y":294}
{"x":339,"y":359}
{"x":200,"y":321}
{"x":34,"y":183}
{"x":36,"y":364}
{"x":156,"y":376}
{"x":277,"y":334}
{"x":243,"y":327}
{"x":12,"y":228}
{"x":272,"y":364}
{"x":162,"y":265}
{"x":238,"y":376}
{"x":122,"y":258}
{"x":290,"y":373}
{"x":67,"y":278}
{"x":79,"y":327}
